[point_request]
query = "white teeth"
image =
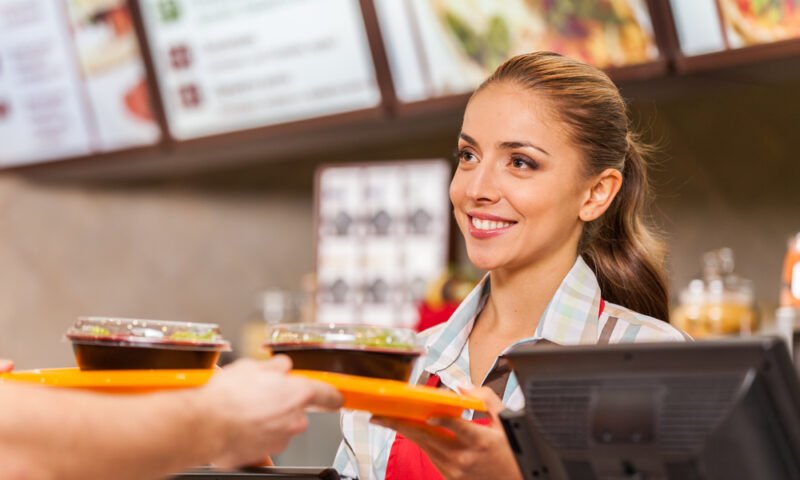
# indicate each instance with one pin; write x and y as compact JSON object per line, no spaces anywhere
{"x":489,"y":224}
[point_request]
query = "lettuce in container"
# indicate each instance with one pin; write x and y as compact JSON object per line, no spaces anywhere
{"x":364,"y":350}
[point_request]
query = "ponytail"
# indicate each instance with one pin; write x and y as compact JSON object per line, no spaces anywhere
{"x":626,"y":256}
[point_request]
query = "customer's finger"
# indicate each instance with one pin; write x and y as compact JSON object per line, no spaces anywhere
{"x":325,"y":396}
{"x":6,"y":365}
{"x":278,"y":363}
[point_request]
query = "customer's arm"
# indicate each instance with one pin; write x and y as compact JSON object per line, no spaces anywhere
{"x":244,"y":413}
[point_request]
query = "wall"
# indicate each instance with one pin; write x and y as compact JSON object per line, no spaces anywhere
{"x":159,"y":252}
{"x":729,"y":175}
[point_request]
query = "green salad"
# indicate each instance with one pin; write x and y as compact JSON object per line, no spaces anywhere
{"x":209,"y":336}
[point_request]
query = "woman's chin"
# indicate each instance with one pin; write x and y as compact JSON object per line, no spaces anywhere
{"x":484,"y":262}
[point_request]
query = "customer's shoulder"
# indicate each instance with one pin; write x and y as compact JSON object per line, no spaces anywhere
{"x":625,"y":325}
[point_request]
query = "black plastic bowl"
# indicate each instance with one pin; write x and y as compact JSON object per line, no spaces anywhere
{"x":366,"y":362}
{"x":121,"y":356}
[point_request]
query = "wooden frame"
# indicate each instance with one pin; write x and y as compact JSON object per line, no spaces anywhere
{"x":168,"y":143}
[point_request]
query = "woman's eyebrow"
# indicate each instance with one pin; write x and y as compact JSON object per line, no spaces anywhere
{"x":468,"y":139}
{"x":504,"y":145}
{"x":518,"y":144}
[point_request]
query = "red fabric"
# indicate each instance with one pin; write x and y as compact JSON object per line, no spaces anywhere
{"x":407,"y":461}
{"x":430,"y":317}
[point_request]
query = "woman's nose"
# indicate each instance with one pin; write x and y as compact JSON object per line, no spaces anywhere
{"x":482,"y":186}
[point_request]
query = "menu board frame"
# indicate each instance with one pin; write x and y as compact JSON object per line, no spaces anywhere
{"x":168,"y":143}
{"x":379,"y":112}
{"x":657,"y":68}
{"x":390,"y":108}
{"x":155,"y":148}
{"x":731,"y":57}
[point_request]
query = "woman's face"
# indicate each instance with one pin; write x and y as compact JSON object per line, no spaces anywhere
{"x":519,"y":187}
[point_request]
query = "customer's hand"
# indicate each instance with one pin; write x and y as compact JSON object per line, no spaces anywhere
{"x":460,"y":449}
{"x":255,"y":408}
{"x":6,"y":365}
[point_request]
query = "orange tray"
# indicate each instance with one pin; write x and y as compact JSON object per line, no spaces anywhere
{"x":391,"y":398}
{"x":381,"y":397}
{"x":111,"y":381}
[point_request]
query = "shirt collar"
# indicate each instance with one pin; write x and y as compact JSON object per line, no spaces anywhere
{"x":570,"y":318}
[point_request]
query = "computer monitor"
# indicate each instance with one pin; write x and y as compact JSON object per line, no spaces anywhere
{"x":694,"y":410}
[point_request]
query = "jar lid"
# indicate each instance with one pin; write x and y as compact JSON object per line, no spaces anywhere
{"x":336,"y":335}
{"x":143,"y":332}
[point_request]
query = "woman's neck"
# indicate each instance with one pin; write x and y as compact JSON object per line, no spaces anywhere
{"x":516,"y":303}
{"x":519,"y":297}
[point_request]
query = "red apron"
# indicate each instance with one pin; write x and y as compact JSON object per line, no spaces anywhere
{"x":408,"y":462}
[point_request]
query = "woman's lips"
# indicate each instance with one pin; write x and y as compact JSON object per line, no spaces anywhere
{"x":488,"y":226}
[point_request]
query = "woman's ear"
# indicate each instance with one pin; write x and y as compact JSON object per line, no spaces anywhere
{"x":602,"y":190}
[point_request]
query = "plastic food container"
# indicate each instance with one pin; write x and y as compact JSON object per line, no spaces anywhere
{"x":104,"y":343}
{"x":364,"y":350}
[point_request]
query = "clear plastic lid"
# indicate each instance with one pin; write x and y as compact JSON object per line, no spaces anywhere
{"x":345,"y":336}
{"x":147,"y":333}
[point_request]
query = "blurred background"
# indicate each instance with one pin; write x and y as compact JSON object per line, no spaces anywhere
{"x":243,"y":161}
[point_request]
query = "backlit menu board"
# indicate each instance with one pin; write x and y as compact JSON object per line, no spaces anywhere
{"x":382,"y":237}
{"x":241,"y":64}
{"x":72,"y":81}
{"x":707,"y":26}
{"x":444,"y":47}
{"x":752,"y":22}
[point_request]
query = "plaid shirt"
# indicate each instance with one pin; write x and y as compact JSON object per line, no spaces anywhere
{"x":571,"y":318}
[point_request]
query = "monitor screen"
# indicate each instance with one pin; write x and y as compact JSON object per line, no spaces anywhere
{"x":242,"y":64}
{"x":704,"y":410}
{"x":72,"y":81}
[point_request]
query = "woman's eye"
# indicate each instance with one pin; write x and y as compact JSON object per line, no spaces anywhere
{"x":466,"y":156}
{"x":523,"y":163}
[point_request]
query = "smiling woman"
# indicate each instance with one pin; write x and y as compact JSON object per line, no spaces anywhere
{"x":548,"y":194}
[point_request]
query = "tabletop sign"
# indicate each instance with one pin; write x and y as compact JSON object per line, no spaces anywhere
{"x":438,"y":48}
{"x":231,"y":65}
{"x":382,"y":238}
{"x":72,"y":81}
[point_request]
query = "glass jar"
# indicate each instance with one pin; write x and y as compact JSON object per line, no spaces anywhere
{"x":719,"y":303}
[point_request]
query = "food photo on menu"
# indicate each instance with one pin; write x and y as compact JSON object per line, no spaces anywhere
{"x":602,"y":33}
{"x":112,"y":67}
{"x":752,"y":22}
